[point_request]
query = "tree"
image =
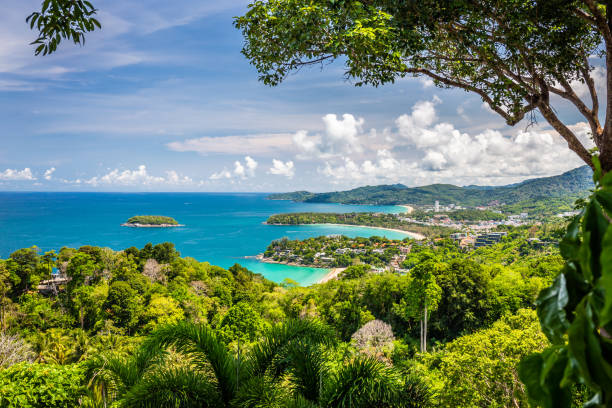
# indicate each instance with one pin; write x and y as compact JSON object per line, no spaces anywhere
{"x":464,"y":301}
{"x":62,"y":19}
{"x":241,"y":322}
{"x":23,"y":264}
{"x":516,"y":55}
{"x":124,"y":305}
{"x":13,"y":350}
{"x":422,"y":296}
{"x":215,"y":378}
{"x":480,"y":369}
{"x":375,"y":338}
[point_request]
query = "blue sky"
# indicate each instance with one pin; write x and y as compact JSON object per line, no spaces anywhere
{"x":162,"y":100}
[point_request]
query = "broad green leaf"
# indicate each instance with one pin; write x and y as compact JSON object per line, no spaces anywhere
{"x":604,"y":197}
{"x":551,"y":310}
{"x":586,"y":351}
{"x":542,"y":374}
{"x":605,"y":282}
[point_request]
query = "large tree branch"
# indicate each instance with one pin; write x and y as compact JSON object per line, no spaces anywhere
{"x":572,"y":141}
{"x":591,"y":85}
{"x":571,"y":96}
{"x":510,"y":119}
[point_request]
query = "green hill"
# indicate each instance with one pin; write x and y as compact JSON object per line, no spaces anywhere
{"x":564,"y":188}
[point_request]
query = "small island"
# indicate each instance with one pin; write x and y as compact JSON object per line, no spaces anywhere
{"x":148,"y":221}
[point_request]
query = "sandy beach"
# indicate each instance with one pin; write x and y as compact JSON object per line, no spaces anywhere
{"x":408,"y":208}
{"x":333,"y":274}
{"x":413,"y":235}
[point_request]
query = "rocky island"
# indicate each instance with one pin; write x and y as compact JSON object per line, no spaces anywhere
{"x":148,"y":221}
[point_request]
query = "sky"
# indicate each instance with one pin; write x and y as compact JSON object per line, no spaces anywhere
{"x":161,"y":99}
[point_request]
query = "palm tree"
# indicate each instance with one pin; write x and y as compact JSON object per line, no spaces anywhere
{"x":208,"y":374}
{"x":289,"y":367}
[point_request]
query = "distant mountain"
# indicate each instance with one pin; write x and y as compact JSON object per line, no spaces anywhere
{"x":566,"y":187}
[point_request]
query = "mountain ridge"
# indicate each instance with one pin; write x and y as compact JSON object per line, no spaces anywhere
{"x":567,"y":186}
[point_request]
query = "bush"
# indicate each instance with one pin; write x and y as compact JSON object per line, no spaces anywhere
{"x":26,"y":385}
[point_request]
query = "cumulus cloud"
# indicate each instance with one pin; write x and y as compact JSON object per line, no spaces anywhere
{"x":49,"y":173}
{"x":384,"y":168}
{"x":281,"y":168}
{"x":422,"y":150}
{"x":242,"y":171}
{"x":341,"y":136}
{"x":13,"y":174}
{"x":139,"y":176}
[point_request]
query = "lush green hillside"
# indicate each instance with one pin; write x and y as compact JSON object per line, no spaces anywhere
{"x":566,"y":187}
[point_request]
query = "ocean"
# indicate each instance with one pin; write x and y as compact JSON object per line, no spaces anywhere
{"x":220,"y":228}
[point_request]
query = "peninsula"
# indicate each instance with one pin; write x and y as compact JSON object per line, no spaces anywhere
{"x":148,"y":221}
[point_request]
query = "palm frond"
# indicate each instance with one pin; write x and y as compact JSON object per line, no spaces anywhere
{"x":260,"y":392}
{"x":277,"y":338}
{"x":177,"y":388}
{"x":307,"y":364}
{"x":204,"y":348}
{"x":364,"y":383}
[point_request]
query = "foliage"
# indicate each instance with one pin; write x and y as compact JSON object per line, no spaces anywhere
{"x":151,"y":220}
{"x":480,"y":369}
{"x":28,"y":385}
{"x":576,"y":310}
{"x":62,"y":19}
{"x":365,"y":219}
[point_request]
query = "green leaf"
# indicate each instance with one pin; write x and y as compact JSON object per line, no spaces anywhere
{"x":605,"y":282}
{"x":551,"y":310}
{"x":604,"y":197}
{"x":606,"y":180}
{"x":594,"y":226}
{"x":585,"y":349}
{"x":542,"y":374}
{"x":597,"y":169}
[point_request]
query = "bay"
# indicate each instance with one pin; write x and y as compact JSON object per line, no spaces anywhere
{"x":220,"y":228}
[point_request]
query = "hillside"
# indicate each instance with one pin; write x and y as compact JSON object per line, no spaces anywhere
{"x":565,"y":188}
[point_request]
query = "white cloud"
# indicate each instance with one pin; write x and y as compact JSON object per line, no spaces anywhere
{"x":139,"y":176}
{"x":241,"y":171}
{"x":281,"y":168}
{"x":11,"y":174}
{"x":255,"y":144}
{"x":221,"y":175}
{"x":251,"y":166}
{"x":341,"y":136}
{"x":423,"y":150}
{"x":172,"y":177}
{"x":49,"y":173}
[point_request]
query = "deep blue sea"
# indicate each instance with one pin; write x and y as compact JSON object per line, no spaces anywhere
{"x":221,"y":229}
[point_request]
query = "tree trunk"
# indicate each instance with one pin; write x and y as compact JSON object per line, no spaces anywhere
{"x":425,"y":330}
{"x":421,"y":335}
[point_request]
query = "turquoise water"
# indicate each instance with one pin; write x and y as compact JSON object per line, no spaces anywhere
{"x":221,"y":229}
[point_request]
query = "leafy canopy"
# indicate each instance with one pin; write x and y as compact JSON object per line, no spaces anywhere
{"x":514,"y":54}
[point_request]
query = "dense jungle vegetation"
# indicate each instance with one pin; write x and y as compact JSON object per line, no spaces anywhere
{"x":147,"y":327}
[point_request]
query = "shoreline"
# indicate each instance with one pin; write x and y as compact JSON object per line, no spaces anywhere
{"x":263,"y":259}
{"x":125,"y":224}
{"x":331,"y":274}
{"x":413,"y":235}
{"x":409,"y":208}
